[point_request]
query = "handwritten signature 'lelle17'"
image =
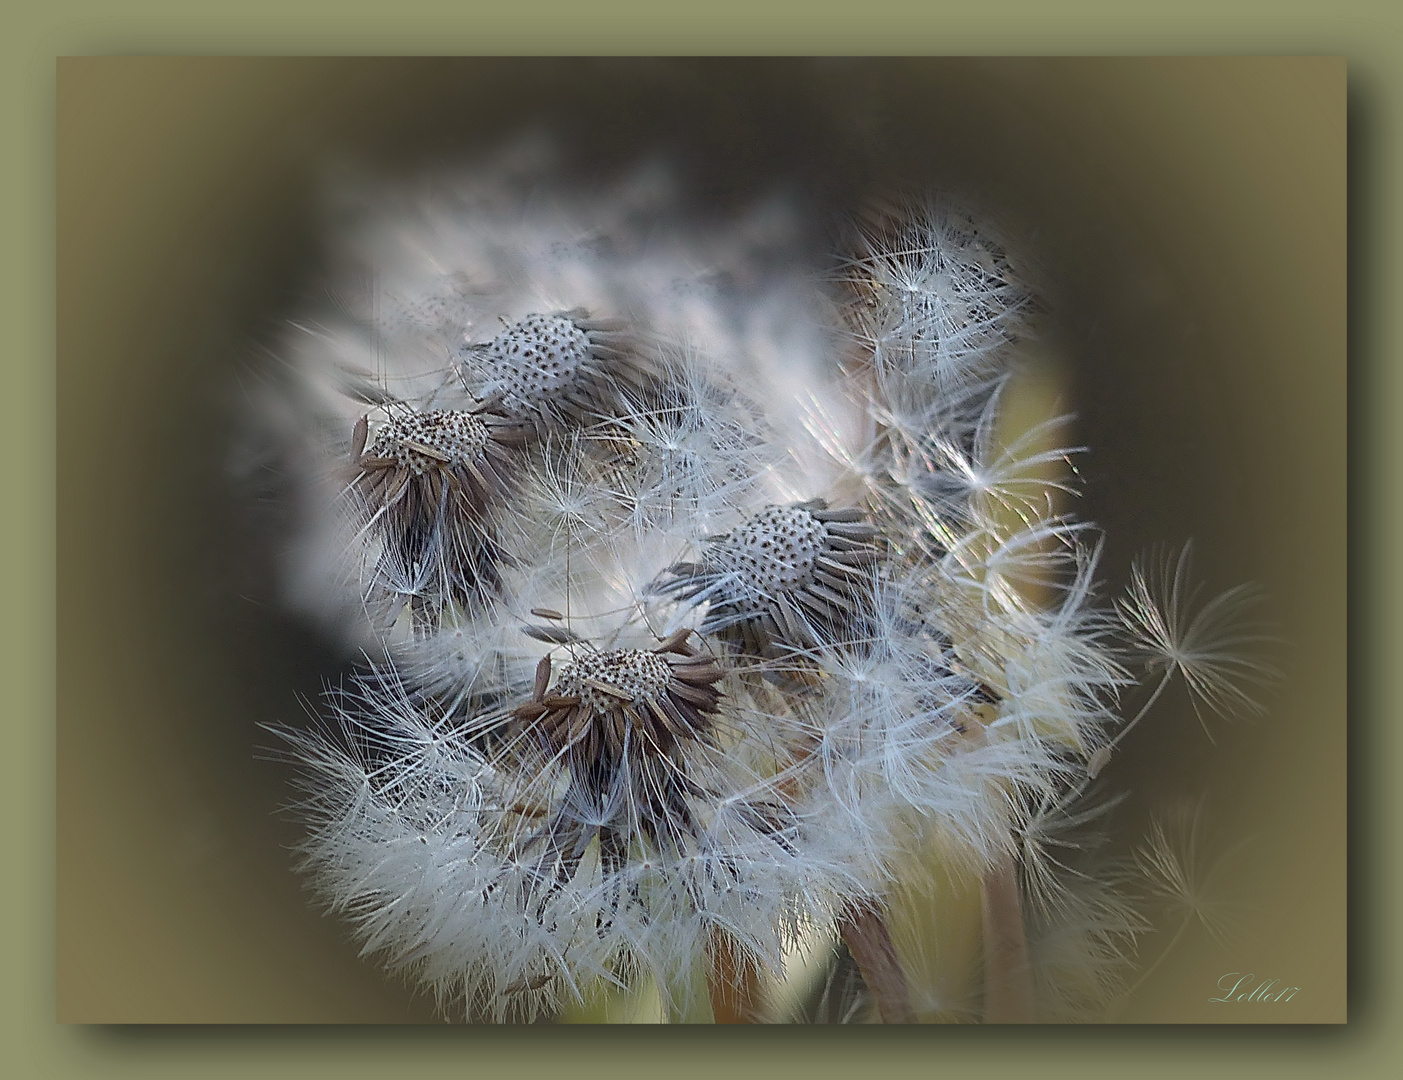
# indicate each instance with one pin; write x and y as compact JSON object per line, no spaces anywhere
{"x":1236,"y":986}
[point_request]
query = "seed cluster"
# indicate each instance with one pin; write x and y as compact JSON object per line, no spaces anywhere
{"x":537,"y":358}
{"x":772,"y":553}
{"x":420,"y":442}
{"x":636,"y":676}
{"x":828,"y":671}
{"x":424,"y":485}
{"x":714,"y":756}
{"x":624,"y":709}
{"x":789,"y":577}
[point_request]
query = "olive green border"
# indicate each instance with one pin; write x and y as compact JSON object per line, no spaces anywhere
{"x":1366,"y":33}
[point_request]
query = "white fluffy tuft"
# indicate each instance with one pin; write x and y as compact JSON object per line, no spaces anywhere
{"x":703,"y":460}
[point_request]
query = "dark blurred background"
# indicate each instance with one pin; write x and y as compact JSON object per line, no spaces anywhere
{"x":1186,"y":219}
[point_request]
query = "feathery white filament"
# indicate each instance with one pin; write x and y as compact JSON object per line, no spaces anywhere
{"x":709,"y":628}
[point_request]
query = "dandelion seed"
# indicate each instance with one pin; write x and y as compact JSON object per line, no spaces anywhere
{"x":1211,"y":644}
{"x":1179,"y":874}
{"x":1082,"y":953}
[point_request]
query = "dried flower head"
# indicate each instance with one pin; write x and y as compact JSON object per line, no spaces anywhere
{"x":570,"y":773}
{"x":556,"y":370}
{"x":787,"y":578}
{"x":422,"y":489}
{"x":605,"y":828}
{"x":620,"y":720}
{"x":935,"y":297}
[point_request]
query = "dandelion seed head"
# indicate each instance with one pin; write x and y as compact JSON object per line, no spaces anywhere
{"x":420,"y":498}
{"x":935,"y":297}
{"x":420,"y":442}
{"x":791,"y":576}
{"x":635,"y":675}
{"x":539,"y":355}
{"x":635,"y":692}
{"x":555,"y":370}
{"x":773,"y":552}
{"x":629,"y":705}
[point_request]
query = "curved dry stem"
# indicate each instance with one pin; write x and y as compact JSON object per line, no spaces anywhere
{"x":733,"y":980}
{"x":864,"y":930}
{"x":1008,"y":977}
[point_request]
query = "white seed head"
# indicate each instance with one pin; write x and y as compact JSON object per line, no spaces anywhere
{"x":789,"y":577}
{"x":512,"y":839}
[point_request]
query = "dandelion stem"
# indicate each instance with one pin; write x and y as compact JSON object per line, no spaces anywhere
{"x":734,"y":981}
{"x":1008,"y":986}
{"x":865,"y":933}
{"x":686,"y":994}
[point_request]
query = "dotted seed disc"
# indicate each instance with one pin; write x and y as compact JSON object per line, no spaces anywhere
{"x":770,"y":554}
{"x":636,"y":674}
{"x":535,"y":358}
{"x":456,"y":436}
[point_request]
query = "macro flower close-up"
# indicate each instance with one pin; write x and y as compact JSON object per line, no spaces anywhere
{"x":701,"y":575}
{"x":795,"y":649}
